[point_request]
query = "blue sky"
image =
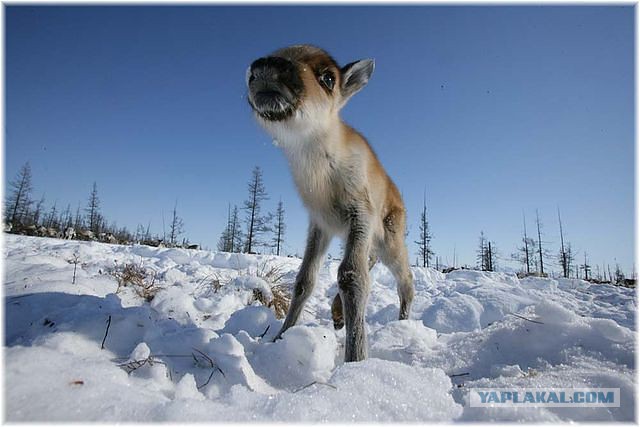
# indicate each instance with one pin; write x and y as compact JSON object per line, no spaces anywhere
{"x":495,"y":110}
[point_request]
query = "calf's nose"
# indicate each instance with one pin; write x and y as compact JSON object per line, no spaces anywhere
{"x":270,"y":68}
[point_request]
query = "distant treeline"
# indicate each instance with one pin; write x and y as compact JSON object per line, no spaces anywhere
{"x":261,"y":233}
{"x":533,"y":256}
{"x":258,"y":232}
{"x":24,"y":215}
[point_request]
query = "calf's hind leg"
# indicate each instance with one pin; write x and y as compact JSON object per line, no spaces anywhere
{"x":353,"y":283}
{"x":394,"y":256}
{"x":336,"y":305}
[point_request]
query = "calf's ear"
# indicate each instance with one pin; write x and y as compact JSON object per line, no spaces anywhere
{"x":355,"y":76}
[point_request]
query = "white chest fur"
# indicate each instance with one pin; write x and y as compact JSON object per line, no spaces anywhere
{"x":326,"y":170}
{"x":314,"y":172}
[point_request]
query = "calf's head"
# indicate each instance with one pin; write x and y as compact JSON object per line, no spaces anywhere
{"x":302,"y":85}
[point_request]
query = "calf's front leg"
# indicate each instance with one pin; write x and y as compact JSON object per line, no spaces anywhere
{"x":317,"y":243}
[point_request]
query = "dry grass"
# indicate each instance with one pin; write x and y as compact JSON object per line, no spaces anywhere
{"x":208,"y":285}
{"x":136,"y":364}
{"x":281,"y":300}
{"x":200,"y":359}
{"x":522,"y":274}
{"x":273,"y":274}
{"x":270,"y":273}
{"x":141,"y":280}
{"x":279,"y":303}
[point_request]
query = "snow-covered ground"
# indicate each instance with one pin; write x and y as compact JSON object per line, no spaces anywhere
{"x":200,"y":352}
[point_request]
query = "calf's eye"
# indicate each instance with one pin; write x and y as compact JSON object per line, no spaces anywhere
{"x":328,"y":80}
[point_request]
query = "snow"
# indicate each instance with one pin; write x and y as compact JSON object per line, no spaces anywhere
{"x":304,"y":355}
{"x":255,"y":320}
{"x":202,"y":349}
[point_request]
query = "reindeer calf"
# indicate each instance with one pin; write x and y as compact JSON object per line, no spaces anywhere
{"x":296,"y":94}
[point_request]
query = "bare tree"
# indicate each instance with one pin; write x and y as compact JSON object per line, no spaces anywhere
{"x":425,"y":253}
{"x":279,"y":228}
{"x":619,"y":276}
{"x":565,"y":255}
{"x":19,"y":201}
{"x":78,"y":221}
{"x":231,"y":238}
{"x":236,"y":231}
{"x":255,"y":221}
{"x":527,"y":248}
{"x":454,"y":256}
{"x":492,"y":256}
{"x":66,"y":218}
{"x":524,"y":253}
{"x":143,"y":235}
{"x":37,"y":213}
{"x":93,"y":210}
{"x":586,"y":267}
{"x":122,"y":235}
{"x":52,"y":217}
{"x":176,"y":228}
{"x":224,"y":243}
{"x":481,"y":254}
{"x":486,"y":254}
{"x":139,"y":237}
{"x":538,"y":224}
{"x":569,"y":258}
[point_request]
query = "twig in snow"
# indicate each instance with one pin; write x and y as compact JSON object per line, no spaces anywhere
{"x":459,"y":375}
{"x":20,"y":296}
{"x":205,"y":356}
{"x":265,"y":332}
{"x":315,"y":382}
{"x":524,"y":318}
{"x":207,"y":381}
{"x":106,"y":333}
{"x":211,"y":364}
{"x":74,"y":261}
{"x":125,"y":358}
{"x":135,"y":364}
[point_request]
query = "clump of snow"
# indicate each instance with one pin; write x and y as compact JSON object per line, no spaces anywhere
{"x":197,"y":351}
{"x":231,"y":362}
{"x":302,"y":356}
{"x":382,"y":391}
{"x":540,"y":283}
{"x":186,"y":388}
{"x":456,"y":312}
{"x":506,"y":371}
{"x":255,"y":320}
{"x":251,"y":283}
{"x":401,"y":340}
{"x":141,"y":352}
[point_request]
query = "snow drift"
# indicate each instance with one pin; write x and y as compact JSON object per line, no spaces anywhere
{"x":202,"y":349}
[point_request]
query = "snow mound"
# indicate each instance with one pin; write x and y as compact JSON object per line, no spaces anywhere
{"x":251,"y":283}
{"x":381,"y":391}
{"x":254,"y":320}
{"x":199,"y":351}
{"x":456,"y":312}
{"x":402,"y":340}
{"x":540,"y":283}
{"x":303,"y":355}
